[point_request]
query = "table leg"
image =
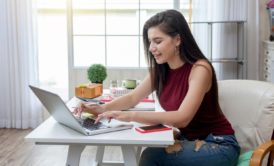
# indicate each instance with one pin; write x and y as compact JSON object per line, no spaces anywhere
{"x":129,"y":155}
{"x":99,"y":155}
{"x":138,"y":153}
{"x":74,"y":154}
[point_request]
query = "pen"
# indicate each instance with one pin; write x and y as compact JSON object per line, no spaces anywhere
{"x":92,"y":100}
{"x":82,"y":99}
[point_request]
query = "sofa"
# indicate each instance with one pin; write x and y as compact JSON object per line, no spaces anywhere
{"x":249,"y":106}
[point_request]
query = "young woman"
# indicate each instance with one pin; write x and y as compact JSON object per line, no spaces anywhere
{"x":186,"y":86}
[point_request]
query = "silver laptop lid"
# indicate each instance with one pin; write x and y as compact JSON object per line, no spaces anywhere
{"x":57,"y":108}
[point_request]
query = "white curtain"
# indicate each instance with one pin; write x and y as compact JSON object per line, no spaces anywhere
{"x":18,"y":62}
{"x":224,"y":35}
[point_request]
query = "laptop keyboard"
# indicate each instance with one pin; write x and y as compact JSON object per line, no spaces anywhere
{"x":90,"y":124}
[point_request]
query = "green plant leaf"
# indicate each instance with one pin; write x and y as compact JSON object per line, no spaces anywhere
{"x":97,"y":73}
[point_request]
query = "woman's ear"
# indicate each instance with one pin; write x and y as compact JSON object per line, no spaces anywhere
{"x":178,"y":40}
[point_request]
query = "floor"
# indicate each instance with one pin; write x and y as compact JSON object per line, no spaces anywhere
{"x":14,"y":151}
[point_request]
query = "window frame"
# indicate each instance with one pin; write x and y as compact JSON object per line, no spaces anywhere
{"x":71,"y":35}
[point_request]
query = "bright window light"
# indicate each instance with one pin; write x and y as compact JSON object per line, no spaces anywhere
{"x":104,"y":31}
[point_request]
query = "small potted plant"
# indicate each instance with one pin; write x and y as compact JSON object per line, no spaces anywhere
{"x":97,"y":73}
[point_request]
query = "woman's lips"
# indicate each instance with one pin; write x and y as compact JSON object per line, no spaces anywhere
{"x":156,"y":56}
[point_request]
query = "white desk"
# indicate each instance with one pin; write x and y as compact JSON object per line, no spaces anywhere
{"x":51,"y":132}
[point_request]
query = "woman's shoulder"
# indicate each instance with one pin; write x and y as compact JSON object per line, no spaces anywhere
{"x":202,"y":63}
{"x":202,"y":72}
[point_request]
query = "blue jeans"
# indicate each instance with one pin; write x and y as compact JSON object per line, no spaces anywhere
{"x":222,"y":150}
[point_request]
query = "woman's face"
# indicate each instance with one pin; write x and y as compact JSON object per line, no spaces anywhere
{"x":163,"y":46}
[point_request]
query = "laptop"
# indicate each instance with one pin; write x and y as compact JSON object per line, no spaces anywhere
{"x":62,"y":114}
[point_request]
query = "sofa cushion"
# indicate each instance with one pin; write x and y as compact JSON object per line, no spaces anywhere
{"x":244,"y":158}
{"x":249,"y":106}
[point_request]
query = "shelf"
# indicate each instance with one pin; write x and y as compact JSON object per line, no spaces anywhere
{"x":228,"y":61}
{"x":214,"y":22}
{"x":268,"y":63}
{"x":240,"y":59}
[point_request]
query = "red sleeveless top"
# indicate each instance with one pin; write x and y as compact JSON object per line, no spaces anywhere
{"x":208,"y":119}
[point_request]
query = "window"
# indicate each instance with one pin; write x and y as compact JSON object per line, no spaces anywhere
{"x":104,"y":31}
{"x":110,"y":31}
{"x":52,"y":46}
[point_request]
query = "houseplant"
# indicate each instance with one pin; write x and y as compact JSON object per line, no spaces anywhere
{"x":97,"y":73}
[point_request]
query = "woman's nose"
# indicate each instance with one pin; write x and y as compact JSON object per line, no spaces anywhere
{"x":152,"y":48}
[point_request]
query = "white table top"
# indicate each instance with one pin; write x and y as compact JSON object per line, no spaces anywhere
{"x":52,"y":132}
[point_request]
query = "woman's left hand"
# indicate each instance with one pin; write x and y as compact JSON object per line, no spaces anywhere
{"x":125,"y":116}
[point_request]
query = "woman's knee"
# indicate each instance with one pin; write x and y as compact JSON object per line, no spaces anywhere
{"x":151,"y":156}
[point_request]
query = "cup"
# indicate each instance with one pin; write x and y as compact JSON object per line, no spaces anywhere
{"x":113,"y":84}
{"x":129,"y":84}
{"x":138,"y":82}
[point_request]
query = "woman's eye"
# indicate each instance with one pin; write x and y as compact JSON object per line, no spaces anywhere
{"x":158,"y":42}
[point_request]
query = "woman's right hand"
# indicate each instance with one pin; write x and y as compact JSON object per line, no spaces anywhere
{"x":92,"y":108}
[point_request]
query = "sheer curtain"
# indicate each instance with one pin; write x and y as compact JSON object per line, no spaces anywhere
{"x":224,"y":35}
{"x":18,"y":62}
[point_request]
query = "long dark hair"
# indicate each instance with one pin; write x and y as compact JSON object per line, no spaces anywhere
{"x":173,"y":23}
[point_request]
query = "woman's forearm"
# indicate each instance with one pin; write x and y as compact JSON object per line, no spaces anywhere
{"x":172,"y":118}
{"x":120,"y":103}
